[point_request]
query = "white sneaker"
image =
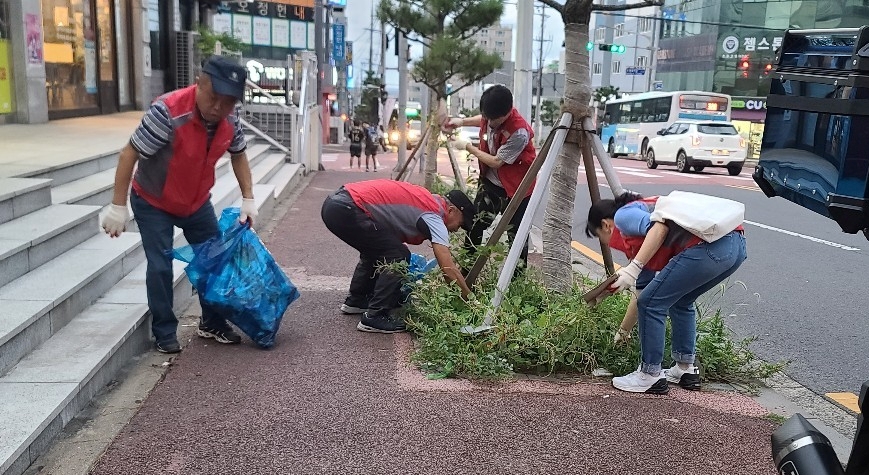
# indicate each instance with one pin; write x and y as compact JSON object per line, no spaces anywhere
{"x":686,"y":378}
{"x":640,"y":382}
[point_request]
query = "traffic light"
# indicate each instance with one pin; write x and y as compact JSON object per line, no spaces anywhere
{"x":611,"y":48}
{"x":767,"y":69}
{"x":383,"y":94}
{"x":589,"y":46}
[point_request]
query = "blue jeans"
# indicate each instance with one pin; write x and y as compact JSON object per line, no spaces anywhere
{"x":687,"y":276}
{"x":156,"y":229}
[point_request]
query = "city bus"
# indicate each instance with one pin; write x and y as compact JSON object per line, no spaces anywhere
{"x":629,"y":122}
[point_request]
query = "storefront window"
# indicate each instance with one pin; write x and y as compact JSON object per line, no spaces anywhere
{"x":5,"y":61}
{"x":70,"y":54}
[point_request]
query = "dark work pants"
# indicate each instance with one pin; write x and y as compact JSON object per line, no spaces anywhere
{"x":491,"y":199}
{"x":379,"y":291}
{"x":156,"y":229}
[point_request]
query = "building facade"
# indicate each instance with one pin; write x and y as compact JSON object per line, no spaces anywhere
{"x":729,"y":46}
{"x":498,"y":40}
{"x":636,"y":30}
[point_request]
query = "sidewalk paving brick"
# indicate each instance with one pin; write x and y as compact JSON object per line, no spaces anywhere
{"x":330,"y":399}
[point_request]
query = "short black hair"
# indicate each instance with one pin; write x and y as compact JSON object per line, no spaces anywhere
{"x":496,"y":102}
{"x":357,"y":122}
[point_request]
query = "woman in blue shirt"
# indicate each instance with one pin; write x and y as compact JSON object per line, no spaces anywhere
{"x":686,"y":266}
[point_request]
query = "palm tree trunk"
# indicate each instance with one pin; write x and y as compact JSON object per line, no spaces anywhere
{"x":558,"y":222}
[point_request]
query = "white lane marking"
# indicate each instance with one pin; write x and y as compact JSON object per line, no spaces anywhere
{"x":685,"y":175}
{"x":745,"y":178}
{"x":810,"y":238}
{"x":635,"y":172}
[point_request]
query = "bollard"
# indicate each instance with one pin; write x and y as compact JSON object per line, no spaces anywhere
{"x":858,"y":462}
{"x":798,"y":448}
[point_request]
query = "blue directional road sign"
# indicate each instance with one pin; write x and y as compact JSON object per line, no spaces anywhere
{"x":634,"y":71}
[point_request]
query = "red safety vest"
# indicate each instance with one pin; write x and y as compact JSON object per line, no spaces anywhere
{"x":510,"y":174}
{"x":179,"y":179}
{"x":397,"y":204}
{"x":630,"y":245}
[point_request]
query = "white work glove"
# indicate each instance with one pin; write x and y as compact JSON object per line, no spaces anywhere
{"x":114,"y":218}
{"x":248,"y":211}
{"x":454,"y":123}
{"x":621,"y":337}
{"x":459,"y":144}
{"x":627,"y":276}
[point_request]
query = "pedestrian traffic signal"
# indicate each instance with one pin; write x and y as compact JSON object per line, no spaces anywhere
{"x":589,"y":46}
{"x":611,"y":48}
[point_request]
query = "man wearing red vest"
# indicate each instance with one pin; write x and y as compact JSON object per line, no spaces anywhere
{"x":377,"y":218}
{"x":505,"y":155}
{"x":176,"y":147}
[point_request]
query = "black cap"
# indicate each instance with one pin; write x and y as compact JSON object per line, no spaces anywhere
{"x":227,"y":78}
{"x":461,"y":201}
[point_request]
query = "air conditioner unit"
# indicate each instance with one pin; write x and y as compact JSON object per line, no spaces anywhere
{"x":187,"y":62}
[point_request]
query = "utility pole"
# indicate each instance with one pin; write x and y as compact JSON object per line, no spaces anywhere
{"x":524,"y":54}
{"x":319,"y":49}
{"x":371,"y":41}
{"x":401,"y":123}
{"x":539,"y":114}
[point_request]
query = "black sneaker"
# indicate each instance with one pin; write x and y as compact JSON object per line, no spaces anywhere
{"x":168,"y":346}
{"x":380,"y":324}
{"x":353,"y":309}
{"x":222,"y":335}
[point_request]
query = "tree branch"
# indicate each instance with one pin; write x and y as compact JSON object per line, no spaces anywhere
{"x":618,"y":8}
{"x":553,"y":5}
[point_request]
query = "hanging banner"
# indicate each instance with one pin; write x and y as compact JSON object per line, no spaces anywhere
{"x":5,"y":79}
{"x":33,"y":32}
{"x":90,"y":67}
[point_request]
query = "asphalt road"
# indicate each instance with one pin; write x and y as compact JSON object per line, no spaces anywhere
{"x":804,"y":296}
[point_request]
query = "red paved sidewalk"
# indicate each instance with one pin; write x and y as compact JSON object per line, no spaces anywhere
{"x":331,"y":400}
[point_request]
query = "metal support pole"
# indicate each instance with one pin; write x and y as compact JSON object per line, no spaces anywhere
{"x":594,"y":193}
{"x":319,"y":49}
{"x":603,"y":158}
{"x":402,"y":98}
{"x":524,"y":54}
{"x":525,"y":226}
{"x":456,"y":172}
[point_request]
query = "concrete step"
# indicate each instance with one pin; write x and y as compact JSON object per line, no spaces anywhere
{"x":263,"y":171}
{"x":36,"y":238}
{"x":48,"y":387}
{"x":264,"y":197}
{"x":96,"y":189}
{"x":19,"y":196}
{"x":254,"y":155}
{"x":78,"y":169}
{"x":39,"y":303}
{"x":286,"y":179}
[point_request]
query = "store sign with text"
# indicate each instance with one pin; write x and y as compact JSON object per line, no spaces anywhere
{"x":735,"y":45}
{"x":748,"y":103}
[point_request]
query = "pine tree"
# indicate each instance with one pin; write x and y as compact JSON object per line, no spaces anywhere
{"x":445,"y":28}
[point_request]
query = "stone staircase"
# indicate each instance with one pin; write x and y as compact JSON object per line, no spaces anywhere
{"x":73,"y":309}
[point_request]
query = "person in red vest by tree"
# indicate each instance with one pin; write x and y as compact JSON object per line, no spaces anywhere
{"x":174,"y":152}
{"x":378,"y":218}
{"x":504,"y":155}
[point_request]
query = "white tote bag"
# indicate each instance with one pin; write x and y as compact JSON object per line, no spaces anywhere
{"x":707,"y":217}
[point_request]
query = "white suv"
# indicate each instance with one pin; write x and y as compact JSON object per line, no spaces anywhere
{"x":694,"y":144}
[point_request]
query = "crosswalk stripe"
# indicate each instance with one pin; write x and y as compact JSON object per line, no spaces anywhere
{"x":849,"y":401}
{"x":685,"y":175}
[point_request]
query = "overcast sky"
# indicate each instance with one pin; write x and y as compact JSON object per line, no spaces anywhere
{"x":358,"y":13}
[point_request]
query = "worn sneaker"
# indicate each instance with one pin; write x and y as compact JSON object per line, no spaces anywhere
{"x":168,"y":346}
{"x":686,"y":378}
{"x":380,"y":324}
{"x":352,"y":310}
{"x":640,"y":382}
{"x":222,"y":335}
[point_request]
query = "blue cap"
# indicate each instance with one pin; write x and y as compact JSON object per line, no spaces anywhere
{"x":227,"y":78}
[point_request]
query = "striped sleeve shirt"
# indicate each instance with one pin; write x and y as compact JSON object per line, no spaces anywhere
{"x":156,"y":130}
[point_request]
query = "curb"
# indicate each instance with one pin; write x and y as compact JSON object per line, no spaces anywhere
{"x":779,"y":394}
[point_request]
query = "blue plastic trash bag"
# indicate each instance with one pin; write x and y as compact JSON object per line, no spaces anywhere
{"x":417,"y":268}
{"x":237,"y":275}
